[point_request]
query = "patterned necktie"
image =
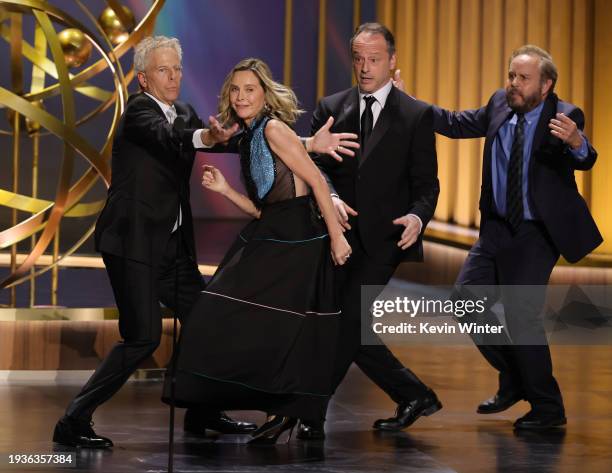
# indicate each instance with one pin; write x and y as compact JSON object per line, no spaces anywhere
{"x":514,"y":183}
{"x":171,"y":114}
{"x":367,"y":121}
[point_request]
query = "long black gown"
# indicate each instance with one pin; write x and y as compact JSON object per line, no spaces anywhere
{"x":263,"y":333}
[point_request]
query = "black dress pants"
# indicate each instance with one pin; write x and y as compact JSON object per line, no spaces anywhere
{"x":523,"y":260}
{"x":138,"y":290}
{"x":376,"y":361}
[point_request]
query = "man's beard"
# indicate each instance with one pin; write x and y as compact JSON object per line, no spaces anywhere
{"x":529,"y":102}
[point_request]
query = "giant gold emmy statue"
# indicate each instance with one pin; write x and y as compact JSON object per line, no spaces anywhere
{"x":63,"y":67}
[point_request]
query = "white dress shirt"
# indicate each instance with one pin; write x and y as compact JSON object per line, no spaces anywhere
{"x":381,"y":99}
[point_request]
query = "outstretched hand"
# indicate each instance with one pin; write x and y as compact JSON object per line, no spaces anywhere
{"x":564,"y":128}
{"x":217,"y":134}
{"x":325,"y":142}
{"x":411,"y":231}
{"x":398,"y":81}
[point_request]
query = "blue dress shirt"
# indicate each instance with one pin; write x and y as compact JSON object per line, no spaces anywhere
{"x":502,"y":145}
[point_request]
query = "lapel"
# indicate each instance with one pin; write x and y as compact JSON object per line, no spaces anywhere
{"x":500,"y":114}
{"x":541,"y":133}
{"x":385,"y":119}
{"x":157,"y":107}
{"x":347,"y":120}
{"x":182,"y":111}
{"x":498,"y":120}
{"x":348,"y":116}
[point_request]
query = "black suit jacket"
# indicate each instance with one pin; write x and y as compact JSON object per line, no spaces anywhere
{"x":553,"y":194}
{"x":151,"y":165}
{"x":395,"y":175}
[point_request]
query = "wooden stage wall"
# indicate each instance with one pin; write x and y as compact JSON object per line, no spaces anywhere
{"x":80,"y":345}
{"x":454,"y":53}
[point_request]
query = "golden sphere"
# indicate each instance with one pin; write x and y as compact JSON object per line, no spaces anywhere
{"x":113,"y":27}
{"x":33,"y":126}
{"x":76,"y":47}
{"x":25,"y":124}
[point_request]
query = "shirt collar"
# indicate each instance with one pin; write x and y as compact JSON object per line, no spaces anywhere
{"x":531,"y":116}
{"x":164,"y":106}
{"x":380,"y":95}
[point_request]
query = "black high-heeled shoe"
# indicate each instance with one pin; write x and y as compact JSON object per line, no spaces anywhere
{"x":269,"y":433}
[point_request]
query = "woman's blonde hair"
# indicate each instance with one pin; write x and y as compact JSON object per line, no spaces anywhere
{"x":280,"y":100}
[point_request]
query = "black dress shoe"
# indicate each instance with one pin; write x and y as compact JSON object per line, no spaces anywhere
{"x":311,"y":431}
{"x":498,"y":403}
{"x":197,"y":422}
{"x":78,"y":433}
{"x":408,"y":412}
{"x":540,"y":421}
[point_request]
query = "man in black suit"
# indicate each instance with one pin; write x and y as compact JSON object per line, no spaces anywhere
{"x":384,"y":199}
{"x":145,"y":235}
{"x":531,"y":213}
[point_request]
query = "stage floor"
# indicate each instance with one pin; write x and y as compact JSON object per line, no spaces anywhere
{"x":455,"y":439}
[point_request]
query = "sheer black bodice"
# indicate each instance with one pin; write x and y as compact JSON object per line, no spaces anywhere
{"x":266,"y":177}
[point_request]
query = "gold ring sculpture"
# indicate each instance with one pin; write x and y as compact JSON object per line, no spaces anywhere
{"x":70,"y":43}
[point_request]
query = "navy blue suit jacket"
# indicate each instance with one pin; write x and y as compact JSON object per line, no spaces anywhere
{"x":553,"y":193}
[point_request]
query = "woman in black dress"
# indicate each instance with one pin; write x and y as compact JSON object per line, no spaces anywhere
{"x":263,"y":334}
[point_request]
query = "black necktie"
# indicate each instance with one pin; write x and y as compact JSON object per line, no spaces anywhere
{"x":514,"y":182}
{"x":367,"y":121}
